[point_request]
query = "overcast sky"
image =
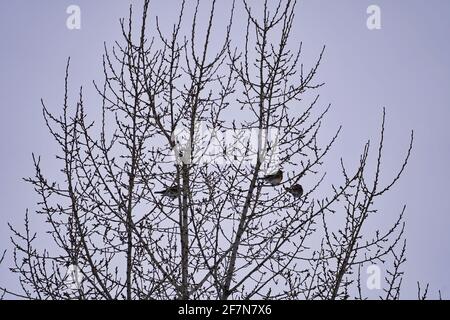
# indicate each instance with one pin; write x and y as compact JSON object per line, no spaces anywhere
{"x":404,"y":67}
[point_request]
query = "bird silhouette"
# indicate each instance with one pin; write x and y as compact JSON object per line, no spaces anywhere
{"x":274,"y":179}
{"x":171,"y":192}
{"x":296,"y":190}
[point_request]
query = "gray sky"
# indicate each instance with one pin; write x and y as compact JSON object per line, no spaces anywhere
{"x":403,"y":67}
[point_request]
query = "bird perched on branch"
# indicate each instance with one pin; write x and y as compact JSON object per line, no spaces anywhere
{"x":296,"y":190}
{"x":274,"y":179}
{"x":171,"y":192}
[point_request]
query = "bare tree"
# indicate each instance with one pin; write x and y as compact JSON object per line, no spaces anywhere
{"x":156,"y":203}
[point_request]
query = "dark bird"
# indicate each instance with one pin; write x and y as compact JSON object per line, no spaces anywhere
{"x":296,"y":190}
{"x":274,"y":179}
{"x":171,"y":192}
